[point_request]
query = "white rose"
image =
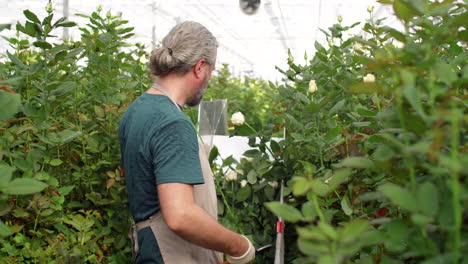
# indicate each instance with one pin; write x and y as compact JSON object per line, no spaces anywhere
{"x":398,"y":44}
{"x":261,"y":181}
{"x":143,"y":59}
{"x":231,"y":176}
{"x":243,"y":183}
{"x":238,"y":119}
{"x":273,"y":184}
{"x":369,"y":78}
{"x":357,"y":46}
{"x":312,"y":86}
{"x":292,"y":84}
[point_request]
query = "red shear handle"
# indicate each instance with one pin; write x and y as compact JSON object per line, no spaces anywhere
{"x":279,"y":227}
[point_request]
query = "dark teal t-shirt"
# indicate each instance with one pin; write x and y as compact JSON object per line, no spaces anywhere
{"x":158,"y":145}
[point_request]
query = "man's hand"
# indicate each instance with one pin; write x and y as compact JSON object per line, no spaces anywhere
{"x":246,"y":258}
{"x":184,"y":217}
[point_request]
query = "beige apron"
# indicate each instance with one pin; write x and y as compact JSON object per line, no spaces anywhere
{"x":174,"y":249}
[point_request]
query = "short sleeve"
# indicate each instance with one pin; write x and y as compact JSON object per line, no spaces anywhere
{"x":175,"y":157}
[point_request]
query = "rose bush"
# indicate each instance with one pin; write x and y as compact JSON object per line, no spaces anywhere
{"x":374,"y":158}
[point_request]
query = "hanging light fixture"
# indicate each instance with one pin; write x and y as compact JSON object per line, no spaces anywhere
{"x":249,"y":7}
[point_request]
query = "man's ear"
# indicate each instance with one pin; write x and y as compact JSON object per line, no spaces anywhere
{"x":198,"y":68}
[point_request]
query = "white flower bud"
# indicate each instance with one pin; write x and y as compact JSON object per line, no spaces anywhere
{"x":312,"y":86}
{"x":292,"y":84}
{"x":398,"y":44}
{"x":249,"y":159}
{"x":273,"y":184}
{"x":340,"y":18}
{"x":143,"y":59}
{"x":243,"y":183}
{"x":357,"y":46}
{"x":231,"y":176}
{"x":237,"y":119}
{"x":370,"y":8}
{"x":369,"y":78}
{"x":99,"y":8}
{"x":49,"y":8}
{"x":261,"y":181}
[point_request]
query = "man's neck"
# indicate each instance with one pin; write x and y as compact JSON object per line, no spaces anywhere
{"x":175,"y":86}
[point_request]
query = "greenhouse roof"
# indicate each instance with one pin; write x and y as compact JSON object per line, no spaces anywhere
{"x":248,"y":43}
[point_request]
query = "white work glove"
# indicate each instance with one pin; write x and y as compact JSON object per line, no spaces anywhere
{"x":248,"y":256}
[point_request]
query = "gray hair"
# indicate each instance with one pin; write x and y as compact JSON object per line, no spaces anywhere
{"x":182,"y":48}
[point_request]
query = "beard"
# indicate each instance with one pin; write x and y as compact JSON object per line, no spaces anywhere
{"x":196,"y":98}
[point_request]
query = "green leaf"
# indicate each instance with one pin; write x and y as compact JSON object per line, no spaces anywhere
{"x":420,"y":219}
{"x":4,"y":230}
{"x":56,"y":162}
{"x":364,"y":112}
{"x":339,"y":177}
{"x":5,"y":26}
{"x":383,"y":153}
{"x":16,"y":61}
{"x":30,"y":29}
{"x":445,"y":72}
{"x":15,"y":81}
{"x":10,"y":104}
{"x":99,"y":111}
{"x":311,"y":233}
{"x":411,"y":93}
{"x":403,"y":10}
{"x":68,"y":135}
{"x":353,"y":230}
{"x":64,"y":88}
{"x":65,"y":190}
{"x":308,"y":167}
{"x":42,"y":44}
{"x":5,"y":175}
{"x":66,"y":24}
{"x":23,"y":186}
{"x":243,"y":193}
{"x":252,"y":177}
{"x":31,"y":16}
{"x":275,"y":147}
{"x":333,"y":132}
{"x":428,"y":199}
{"x":340,"y":104}
{"x":346,"y":205}
{"x":366,"y":88}
{"x":319,"y":188}
{"x":301,"y":186}
{"x":309,"y":211}
{"x":252,"y":153}
{"x":357,"y":162}
{"x":327,"y":229}
{"x":214,"y":153}
{"x":399,"y":196}
{"x":285,"y":211}
{"x":312,"y":248}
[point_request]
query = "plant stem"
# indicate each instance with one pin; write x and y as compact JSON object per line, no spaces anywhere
{"x":317,"y":208}
{"x":401,"y":118}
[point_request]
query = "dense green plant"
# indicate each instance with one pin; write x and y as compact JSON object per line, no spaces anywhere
{"x":374,"y":158}
{"x":70,"y":96}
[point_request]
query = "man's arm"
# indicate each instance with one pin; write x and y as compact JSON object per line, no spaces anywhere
{"x":184,"y":217}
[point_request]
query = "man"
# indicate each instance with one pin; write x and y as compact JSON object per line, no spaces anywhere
{"x":169,"y":182}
